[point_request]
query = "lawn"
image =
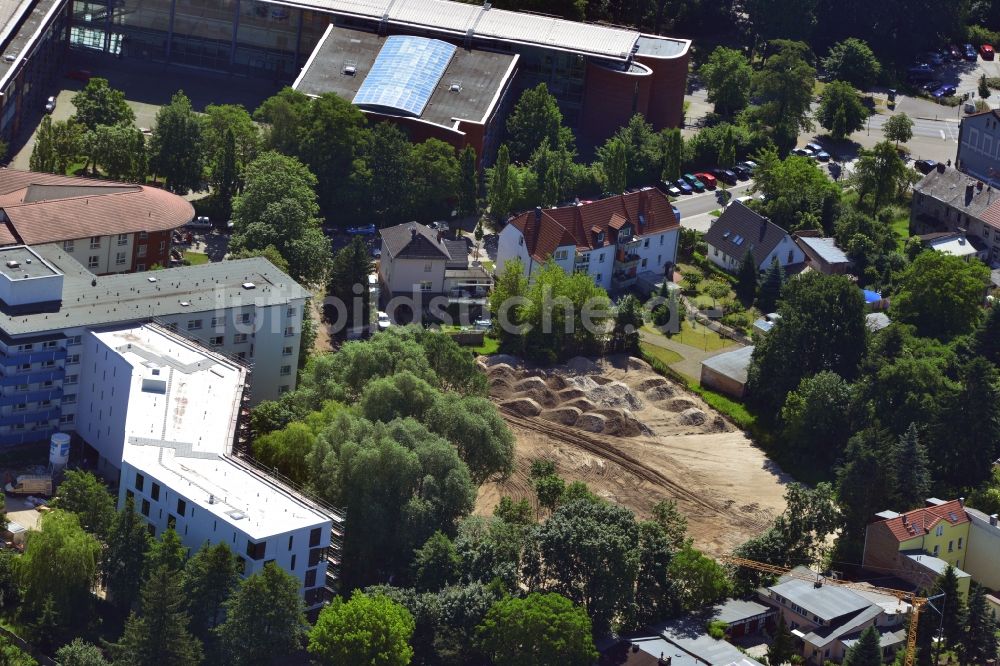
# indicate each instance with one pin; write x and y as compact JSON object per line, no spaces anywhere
{"x":489,"y":346}
{"x":195,"y":258}
{"x":664,"y":356}
{"x":901,"y":228}
{"x":696,"y":335}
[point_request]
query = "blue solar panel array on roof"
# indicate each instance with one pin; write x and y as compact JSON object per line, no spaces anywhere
{"x":404,"y":74}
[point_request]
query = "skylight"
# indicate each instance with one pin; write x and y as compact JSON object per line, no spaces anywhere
{"x":405,"y":74}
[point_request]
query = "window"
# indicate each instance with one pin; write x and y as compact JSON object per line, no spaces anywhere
{"x":520,"y":241}
{"x":123,"y":239}
{"x":140,"y":267}
{"x":216,"y":321}
{"x":48,"y":364}
{"x":72,"y":359}
{"x":119,"y":258}
{"x":290,"y":312}
{"x":67,"y":418}
{"x":163,"y":245}
{"x":960,"y":543}
{"x":600,"y":258}
{"x":71,"y":379}
{"x":141,"y":252}
{"x":245,"y":318}
{"x":143,"y":235}
{"x":790,"y":256}
{"x":597,"y":277}
{"x":284,"y":388}
{"x":428,"y":266}
{"x":286,"y":370}
{"x":241,"y":355}
{"x":951,"y":546}
{"x":255,"y":551}
{"x":426,"y":285}
{"x":286,"y":351}
{"x":645,"y":243}
{"x":171,"y":521}
{"x":216,"y":341}
{"x":145,"y":507}
{"x":95,"y":242}
{"x":310,"y":579}
{"x":24,"y":366}
{"x":314,"y":537}
{"x":560,"y":255}
{"x":181,"y":507}
{"x":661,"y":239}
{"x":22,"y":387}
{"x":68,"y":246}
{"x":50,"y":344}
{"x":316,"y":556}
{"x":291,"y":540}
{"x":69,"y":399}
{"x":239,"y":338}
{"x":194,"y":325}
{"x":937,"y":549}
{"x":643,"y":263}
{"x":293,"y":563}
{"x":140,"y":481}
{"x":129,"y":494}
{"x":20,"y":407}
{"x":154,"y":492}
{"x":290,"y":330}
{"x":75,"y":340}
{"x":939,"y":531}
{"x":93,"y":261}
{"x":716,"y":250}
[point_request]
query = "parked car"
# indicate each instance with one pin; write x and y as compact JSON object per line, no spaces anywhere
{"x":695,"y":184}
{"x":707,"y":178}
{"x":200,"y":222}
{"x":742,"y":171}
{"x":79,"y":75}
{"x":683,"y":186}
{"x":920,"y":72}
{"x":750,"y":164}
{"x":367,"y":230}
{"x":439,"y":225}
{"x":802,"y":152}
{"x":725,"y":175}
{"x":822,"y":156}
{"x":954,"y":52}
{"x":383,"y":321}
{"x":970,"y":53}
{"x":673,"y":190}
{"x":944,"y":91}
{"x":932,"y":85}
{"x":932,"y":58}
{"x":482,"y":325}
{"x":50,"y":105}
{"x":986,"y":51}
{"x":925,"y":166}
{"x":814,"y":147}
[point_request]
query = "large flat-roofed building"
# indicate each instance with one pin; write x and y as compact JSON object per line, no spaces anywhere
{"x":247,"y":309}
{"x":108,"y":227}
{"x":430,"y":87}
{"x":164,"y":413}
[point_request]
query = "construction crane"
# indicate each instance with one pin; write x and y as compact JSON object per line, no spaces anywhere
{"x":917,"y":603}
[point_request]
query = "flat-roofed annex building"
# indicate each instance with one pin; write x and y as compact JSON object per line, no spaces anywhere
{"x":166,"y":412}
{"x":108,"y":227}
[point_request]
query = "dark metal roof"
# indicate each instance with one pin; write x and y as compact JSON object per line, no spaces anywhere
{"x":739,"y":229}
{"x":413,"y":241}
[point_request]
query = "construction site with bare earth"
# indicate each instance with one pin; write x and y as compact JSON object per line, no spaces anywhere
{"x":635,"y":438}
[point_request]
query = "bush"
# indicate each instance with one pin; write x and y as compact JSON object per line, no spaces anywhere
{"x":717,"y":629}
{"x":741,"y":321}
{"x":977,"y":35}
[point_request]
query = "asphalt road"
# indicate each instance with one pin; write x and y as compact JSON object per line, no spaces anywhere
{"x":699,"y":204}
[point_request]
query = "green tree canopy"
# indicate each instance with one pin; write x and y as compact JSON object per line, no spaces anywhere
{"x":283,"y":115}
{"x":348,"y":284}
{"x":880,"y":175}
{"x":501,"y":187}
{"x":120,"y":150}
{"x":698,"y":579}
{"x":797,"y":194}
{"x":535,"y":118}
{"x":898,"y":128}
{"x":85,"y":495}
{"x":468,"y":181}
{"x":365,"y":630}
{"x":816,"y":417}
{"x":539,"y":630}
{"x":100,"y":104}
{"x":784,"y":87}
{"x":121,"y":565}
{"x":615,"y":166}
{"x":727,"y":75}
{"x":840,"y":110}
{"x":434,"y":180}
{"x":264,"y":619}
{"x":852,"y":61}
{"x":159,"y":634}
{"x":57,"y":145}
{"x":980,"y":644}
{"x":782,"y":19}
{"x":210,"y":577}
{"x":80,"y":653}
{"x":175,"y":147}
{"x":941,"y":295}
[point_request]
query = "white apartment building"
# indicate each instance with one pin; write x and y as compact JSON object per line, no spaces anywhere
{"x":165,"y":412}
{"x":613,"y":240}
{"x":247,"y":309}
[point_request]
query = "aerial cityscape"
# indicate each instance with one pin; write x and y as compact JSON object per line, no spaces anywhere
{"x":448,"y":333}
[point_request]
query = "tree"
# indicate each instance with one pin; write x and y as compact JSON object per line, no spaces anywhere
{"x":816,"y":417}
{"x":83,"y":494}
{"x":880,"y":175}
{"x":271,"y":254}
{"x":43,"y":155}
{"x":57,"y":145}
{"x":852,"y":61}
{"x":264,"y":618}
{"x":388,"y":162}
{"x":501,"y":189}
{"x":673,"y":153}
{"x":435,"y":563}
{"x":841,"y":103}
{"x":121,"y":566}
{"x":284,"y":117}
{"x":986,"y":342}
{"x":434,"y":180}
{"x":822,"y":328}
{"x":12,"y":655}
{"x":473,"y":425}
{"x":366,"y":630}
{"x":210,"y":577}
{"x":100,"y":104}
{"x":539,"y":630}
{"x":230,"y":141}
{"x":980,"y":644}
{"x":898,"y":128}
{"x":941,"y":295}
{"x":747,"y":278}
{"x":727,"y":76}
{"x":468,"y":188}
{"x":770,"y":287}
{"x":510,"y":287}
{"x":797,"y":194}
{"x":963,"y":452}
{"x":167,"y":552}
{"x":120,"y":150}
{"x":348,"y":286}
{"x":628,"y":321}
{"x":175,"y":147}
{"x":867,"y":651}
{"x":784,"y":86}
{"x":615,"y":167}
{"x":954,"y":610}
{"x":789,"y":19}
{"x":782,"y":647}
{"x":912,"y":468}
{"x":535,"y":118}
{"x":159,"y":635}
{"x":549,"y":490}
{"x":984,"y":89}
{"x":698,"y":580}
{"x":278,"y":208}
{"x":80,"y":653}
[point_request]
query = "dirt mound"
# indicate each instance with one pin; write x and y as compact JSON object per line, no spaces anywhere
{"x":501,"y":388}
{"x":652,"y":382}
{"x":638,"y":364}
{"x":565,"y":415}
{"x":657,"y":393}
{"x":523,"y":406}
{"x":531,"y":383}
{"x":615,"y":394}
{"x":591,"y":422}
{"x":582,"y":404}
{"x":579,"y":365}
{"x":556,"y":382}
{"x":621,"y":422}
{"x":693,"y":416}
{"x":570,"y":394}
{"x":544,"y":396}
{"x":497,"y":359}
{"x":717,"y":424}
{"x":678,"y":404}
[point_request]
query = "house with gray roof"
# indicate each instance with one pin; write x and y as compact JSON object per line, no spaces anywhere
{"x":418,"y":259}
{"x":739,"y":230}
{"x":823,"y":254}
{"x":947,"y":201}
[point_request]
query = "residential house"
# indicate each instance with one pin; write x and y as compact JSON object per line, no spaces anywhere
{"x":979,"y":146}
{"x":739,"y":229}
{"x":955,"y":243}
{"x":827,"y":619}
{"x":727,"y":372}
{"x":614,"y":240}
{"x":823,"y":254}
{"x":918,"y":545}
{"x":416,"y":258}
{"x":947,"y":200}
{"x":682,"y":642}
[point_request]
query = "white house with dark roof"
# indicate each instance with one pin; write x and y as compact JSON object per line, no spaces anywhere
{"x":740,"y":229}
{"x":416,"y":258}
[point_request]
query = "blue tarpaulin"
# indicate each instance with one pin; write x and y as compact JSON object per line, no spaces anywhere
{"x":872,"y":296}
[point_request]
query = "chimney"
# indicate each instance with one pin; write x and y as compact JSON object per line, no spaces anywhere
{"x":979,"y":186}
{"x":763,"y":228}
{"x":538,"y":215}
{"x":961,"y":500}
{"x":413,"y":232}
{"x":993,"y":520}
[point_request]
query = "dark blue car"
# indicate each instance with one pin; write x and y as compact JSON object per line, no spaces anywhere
{"x":944,"y":91}
{"x":683,"y":186}
{"x":970,"y":53}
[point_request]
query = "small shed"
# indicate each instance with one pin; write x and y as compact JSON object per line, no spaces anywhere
{"x":726,"y":373}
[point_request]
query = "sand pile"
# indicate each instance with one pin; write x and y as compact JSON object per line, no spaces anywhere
{"x":523,"y":406}
{"x":693,"y":416}
{"x":564,"y":415}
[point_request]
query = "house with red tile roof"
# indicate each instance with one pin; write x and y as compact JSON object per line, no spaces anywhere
{"x":919,"y":545}
{"x":613,"y":240}
{"x":108,"y":227}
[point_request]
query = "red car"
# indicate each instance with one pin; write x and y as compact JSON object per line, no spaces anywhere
{"x":79,"y":75}
{"x":986,"y":51}
{"x":708,"y":179}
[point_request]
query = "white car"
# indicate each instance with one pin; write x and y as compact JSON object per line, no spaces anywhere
{"x":50,"y":105}
{"x":383,"y":321}
{"x":482,"y":325}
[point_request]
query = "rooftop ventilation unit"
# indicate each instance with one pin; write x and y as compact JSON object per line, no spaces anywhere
{"x":13,"y":264}
{"x":249,"y":285}
{"x":10,"y":57}
{"x":185,"y":304}
{"x":236,"y":514}
{"x":456,"y":86}
{"x":151,"y":279}
{"x":350,"y":70}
